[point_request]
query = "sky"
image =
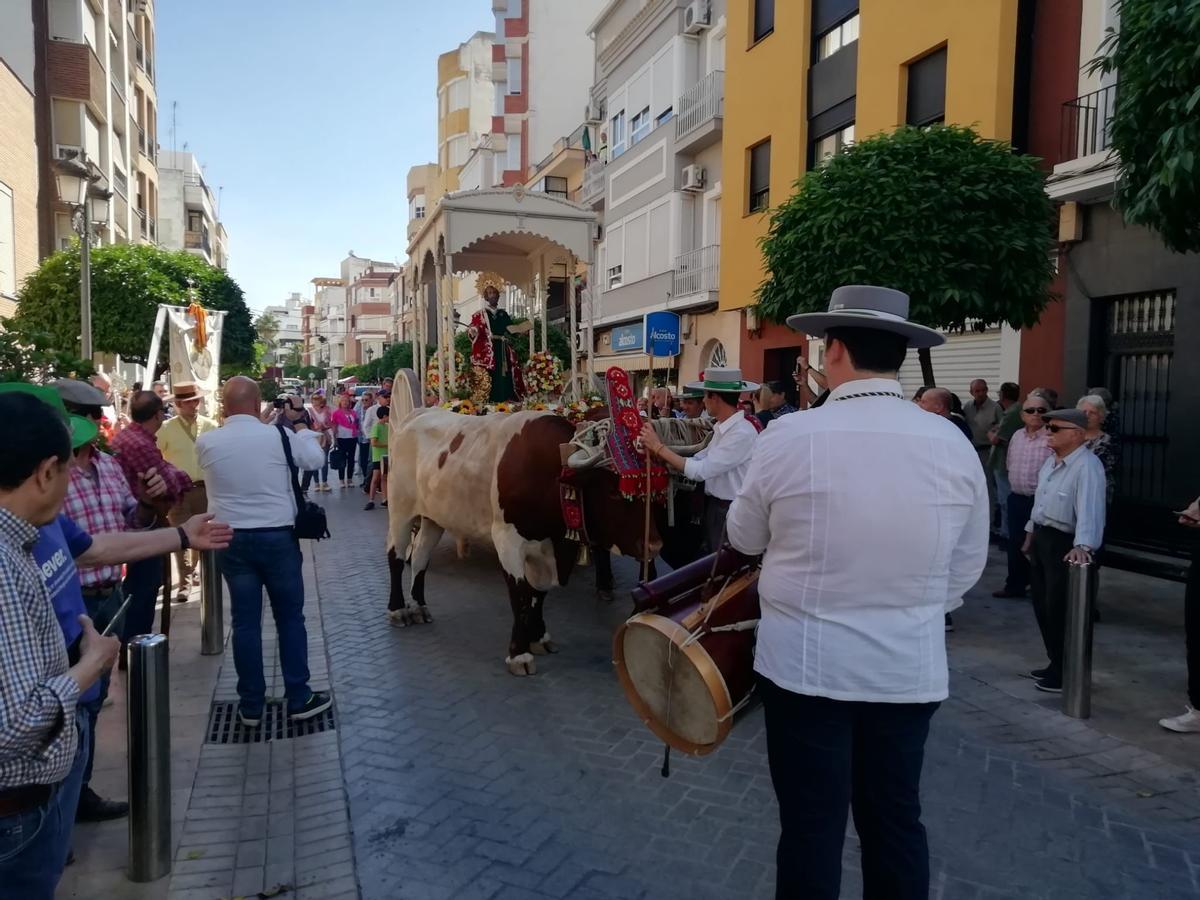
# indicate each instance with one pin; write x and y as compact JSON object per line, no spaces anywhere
{"x":308,"y":113}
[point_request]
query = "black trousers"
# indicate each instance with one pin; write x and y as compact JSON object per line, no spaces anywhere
{"x":831,"y":756}
{"x":1048,"y":578}
{"x":716,"y":511}
{"x":1191,"y":628}
{"x":1020,"y":508}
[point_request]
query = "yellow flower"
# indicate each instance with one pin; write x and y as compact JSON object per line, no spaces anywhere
{"x":502,"y":407}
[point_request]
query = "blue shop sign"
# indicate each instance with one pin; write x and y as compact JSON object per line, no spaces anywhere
{"x":662,"y":333}
{"x":626,"y":338}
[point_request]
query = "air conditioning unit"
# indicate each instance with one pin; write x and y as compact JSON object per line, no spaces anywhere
{"x":697,"y":17}
{"x":693,"y":178}
{"x":597,"y":232}
{"x":581,"y":342}
{"x":67,"y":151}
{"x":592,"y":113}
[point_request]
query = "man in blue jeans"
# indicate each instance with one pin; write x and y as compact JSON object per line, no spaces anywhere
{"x":249,"y":486}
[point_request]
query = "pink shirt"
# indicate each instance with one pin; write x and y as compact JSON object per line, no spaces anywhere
{"x":345,"y":418}
{"x":1026,"y":454}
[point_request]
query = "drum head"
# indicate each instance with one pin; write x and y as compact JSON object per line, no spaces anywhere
{"x":679,"y":693}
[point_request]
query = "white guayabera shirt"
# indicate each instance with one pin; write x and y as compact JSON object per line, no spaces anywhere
{"x":873,"y":515}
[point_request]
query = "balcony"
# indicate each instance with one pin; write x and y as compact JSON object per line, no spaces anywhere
{"x":147,"y":146}
{"x":145,"y":61}
{"x":697,"y":274}
{"x":595,"y":184}
{"x":1089,"y":168}
{"x":143,"y":226}
{"x":700,"y":114}
{"x":197,"y":240}
{"x":120,"y":182}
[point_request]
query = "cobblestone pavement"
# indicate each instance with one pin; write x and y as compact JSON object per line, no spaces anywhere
{"x":466,"y":782}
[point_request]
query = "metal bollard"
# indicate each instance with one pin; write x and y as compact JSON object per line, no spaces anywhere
{"x":212,"y":605}
{"x":149,"y":758}
{"x":1077,"y":655}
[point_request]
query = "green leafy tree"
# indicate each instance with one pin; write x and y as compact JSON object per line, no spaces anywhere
{"x":31,"y":356}
{"x":267,"y":327}
{"x":316,"y":373}
{"x":959,"y":223}
{"x":129,"y":281}
{"x":1156,"y":120}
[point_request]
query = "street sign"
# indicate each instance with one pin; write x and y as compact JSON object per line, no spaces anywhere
{"x":662,"y":333}
{"x":626,"y":338}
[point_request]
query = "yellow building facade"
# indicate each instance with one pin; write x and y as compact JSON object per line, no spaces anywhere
{"x":773,"y":81}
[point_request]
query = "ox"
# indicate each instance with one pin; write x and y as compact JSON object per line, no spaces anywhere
{"x":494,"y":479}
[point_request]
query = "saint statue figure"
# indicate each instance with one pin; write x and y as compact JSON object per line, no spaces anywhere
{"x":491,"y":348}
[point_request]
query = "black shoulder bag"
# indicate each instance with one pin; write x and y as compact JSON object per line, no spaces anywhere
{"x":310,"y":518}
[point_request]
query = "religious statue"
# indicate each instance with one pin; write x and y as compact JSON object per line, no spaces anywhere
{"x":491,"y":347}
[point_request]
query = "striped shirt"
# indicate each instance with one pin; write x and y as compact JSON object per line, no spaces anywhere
{"x":99,"y":500}
{"x":1026,"y":453}
{"x":38,"y":739}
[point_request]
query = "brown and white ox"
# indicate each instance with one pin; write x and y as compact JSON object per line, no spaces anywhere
{"x":494,"y":480}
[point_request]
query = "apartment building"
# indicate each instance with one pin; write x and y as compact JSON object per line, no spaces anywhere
{"x":1130,"y":308}
{"x":542,"y":66}
{"x":350,"y":314}
{"x":855,"y":69}
{"x":325,"y":336}
{"x":465,"y":93}
{"x":657,"y":108}
{"x":370,"y":301}
{"x":188,"y":217}
{"x":290,"y":316}
{"x":99,"y":100}
{"x":18,"y":153}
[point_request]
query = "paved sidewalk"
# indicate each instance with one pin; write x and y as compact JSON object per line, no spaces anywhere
{"x":102,"y":850}
{"x":465,"y":782}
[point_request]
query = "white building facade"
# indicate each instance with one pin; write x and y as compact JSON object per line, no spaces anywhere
{"x":188,"y":216}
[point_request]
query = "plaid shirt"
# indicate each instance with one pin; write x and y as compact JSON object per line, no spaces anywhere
{"x":100,"y":501}
{"x":137,"y":452}
{"x":1024,"y":460}
{"x":38,"y":739}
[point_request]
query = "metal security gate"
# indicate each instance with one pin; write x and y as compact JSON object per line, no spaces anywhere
{"x":1139,"y":343}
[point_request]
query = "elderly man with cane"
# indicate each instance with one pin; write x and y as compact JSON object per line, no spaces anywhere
{"x":873,"y":518}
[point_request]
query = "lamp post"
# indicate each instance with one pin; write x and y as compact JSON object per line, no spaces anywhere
{"x":77,"y":188}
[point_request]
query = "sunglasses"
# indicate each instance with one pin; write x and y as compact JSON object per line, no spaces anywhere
{"x":1036,"y":410}
{"x":1055,"y":429}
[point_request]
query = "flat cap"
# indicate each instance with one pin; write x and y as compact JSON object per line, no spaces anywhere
{"x":1073,"y":416}
{"x":80,"y":392}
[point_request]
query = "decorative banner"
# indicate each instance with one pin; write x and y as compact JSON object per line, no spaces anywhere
{"x":194,"y":342}
{"x":629,"y":457}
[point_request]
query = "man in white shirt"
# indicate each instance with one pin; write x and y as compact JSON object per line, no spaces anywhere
{"x":723,"y":463}
{"x":249,"y":486}
{"x":873,"y":517}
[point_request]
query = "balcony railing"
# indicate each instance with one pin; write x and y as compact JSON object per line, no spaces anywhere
{"x":120,"y":182}
{"x":143,"y":228}
{"x":593,"y":182}
{"x":1087,"y":123}
{"x":567,"y":142}
{"x":147,"y":145}
{"x":697,"y":271}
{"x":702,"y":103}
{"x":144,"y":60}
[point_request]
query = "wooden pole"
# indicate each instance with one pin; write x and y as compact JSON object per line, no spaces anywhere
{"x":574,"y":319}
{"x":649,"y":466}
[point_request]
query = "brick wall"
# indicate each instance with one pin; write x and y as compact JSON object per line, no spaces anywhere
{"x":74,"y":73}
{"x":19,"y":171}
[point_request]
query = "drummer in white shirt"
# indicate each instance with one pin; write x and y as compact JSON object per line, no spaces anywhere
{"x":873,"y":517}
{"x":723,"y":463}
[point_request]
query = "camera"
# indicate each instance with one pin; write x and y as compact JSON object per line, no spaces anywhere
{"x":279,"y":402}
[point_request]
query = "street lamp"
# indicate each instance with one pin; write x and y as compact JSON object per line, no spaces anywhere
{"x":76,"y":181}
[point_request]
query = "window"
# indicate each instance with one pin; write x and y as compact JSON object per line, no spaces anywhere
{"x":927,"y":89}
{"x":554,"y":185}
{"x":514,"y":75}
{"x":459,"y":94}
{"x":664,"y":116}
{"x":760,"y":177}
{"x":837,"y":37}
{"x":512,"y":162}
{"x":639,"y":126}
{"x":419,"y":212}
{"x":195,"y":221}
{"x":614,"y":277}
{"x":8,"y":250}
{"x":618,"y":134}
{"x":764,"y":18}
{"x":832,"y":144}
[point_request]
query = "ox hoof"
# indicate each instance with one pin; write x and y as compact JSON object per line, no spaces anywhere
{"x":544,"y":646}
{"x":521,"y":665}
{"x":605,"y":596}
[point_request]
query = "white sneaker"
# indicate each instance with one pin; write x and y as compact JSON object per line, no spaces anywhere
{"x":1188,"y":723}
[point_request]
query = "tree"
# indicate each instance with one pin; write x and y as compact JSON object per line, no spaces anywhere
{"x":1156,"y":120}
{"x":128,"y":283}
{"x":316,"y":373}
{"x":267,"y":326}
{"x":30,"y":356}
{"x":959,"y":223}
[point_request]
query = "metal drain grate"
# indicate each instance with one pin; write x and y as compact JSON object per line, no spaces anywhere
{"x":224,"y":727}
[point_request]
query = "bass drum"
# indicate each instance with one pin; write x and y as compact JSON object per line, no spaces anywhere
{"x":688,"y":667}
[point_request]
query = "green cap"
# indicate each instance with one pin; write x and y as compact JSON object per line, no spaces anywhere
{"x":83,"y":431}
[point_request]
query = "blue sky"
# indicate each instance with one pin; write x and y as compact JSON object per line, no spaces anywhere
{"x":309,"y":114}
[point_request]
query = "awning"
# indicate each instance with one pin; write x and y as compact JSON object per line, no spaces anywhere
{"x":353,"y":379}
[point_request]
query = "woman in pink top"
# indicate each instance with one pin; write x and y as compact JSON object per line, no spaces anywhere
{"x":344,"y":425}
{"x":320,"y":414}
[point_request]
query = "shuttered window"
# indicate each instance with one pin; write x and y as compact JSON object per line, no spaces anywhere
{"x":927,"y":89}
{"x":764,"y":18}
{"x":760,"y":177}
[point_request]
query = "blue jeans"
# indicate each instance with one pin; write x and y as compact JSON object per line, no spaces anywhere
{"x":142,"y":582}
{"x":831,"y":756}
{"x":34,"y":844}
{"x":1003,"y":489}
{"x":271,"y":560}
